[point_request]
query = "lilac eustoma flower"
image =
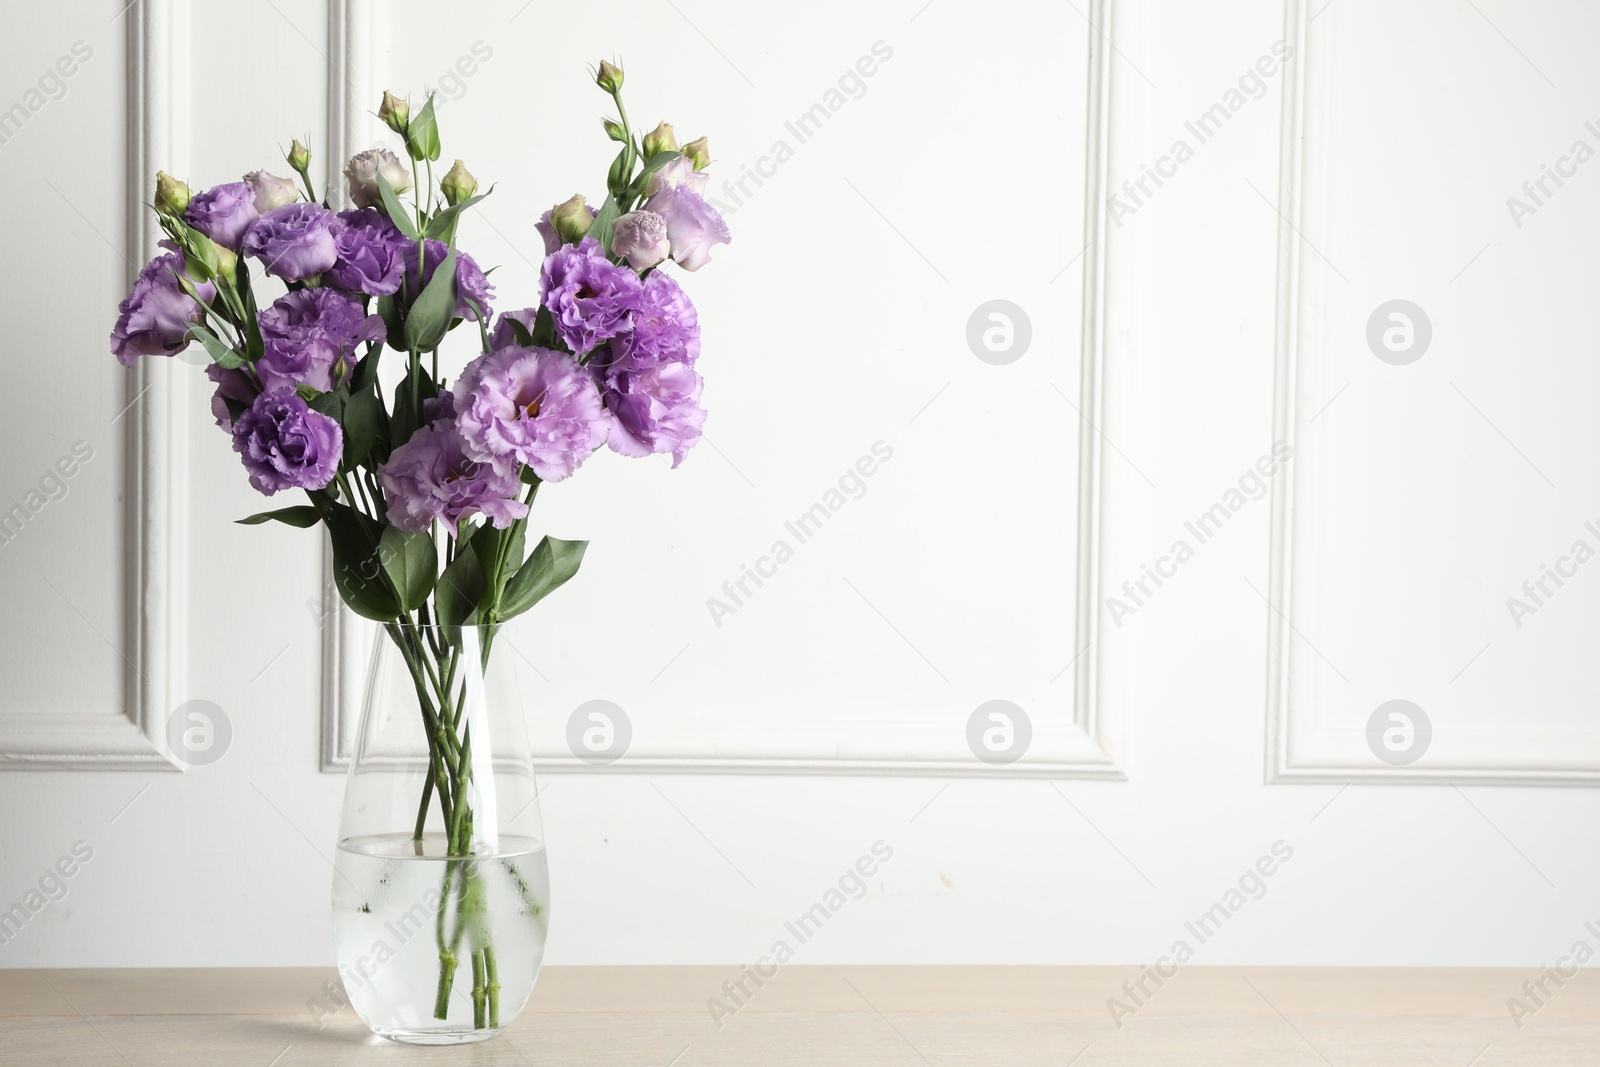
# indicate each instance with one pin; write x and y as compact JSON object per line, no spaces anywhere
{"x":503,"y":333}
{"x":224,"y":213}
{"x":655,"y":407}
{"x":590,"y":297}
{"x":286,"y":445}
{"x":647,"y":376}
{"x":431,"y":476}
{"x":530,"y":406}
{"x":293,"y":242}
{"x":470,"y":281}
{"x":155,"y":318}
{"x":309,"y":335}
{"x":232,"y":385}
{"x":370,"y":253}
{"x":677,"y":193}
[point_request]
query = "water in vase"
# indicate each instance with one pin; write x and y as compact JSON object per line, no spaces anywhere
{"x":418,"y":934}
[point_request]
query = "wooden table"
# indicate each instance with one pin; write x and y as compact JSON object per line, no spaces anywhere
{"x":832,"y":1016}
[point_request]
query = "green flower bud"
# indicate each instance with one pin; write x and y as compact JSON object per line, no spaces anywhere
{"x":458,"y":184}
{"x":226,"y":261}
{"x":609,"y":77}
{"x":699,"y":153}
{"x":394,"y":112}
{"x":613,"y":130}
{"x":299,"y":156}
{"x":571,"y":219}
{"x":172,"y":196}
{"x":660,"y":139}
{"x":202,"y":257}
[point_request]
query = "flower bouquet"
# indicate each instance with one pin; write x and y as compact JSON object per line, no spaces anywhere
{"x":424,"y":485}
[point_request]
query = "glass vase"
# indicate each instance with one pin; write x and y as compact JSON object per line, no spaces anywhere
{"x":441,"y":887}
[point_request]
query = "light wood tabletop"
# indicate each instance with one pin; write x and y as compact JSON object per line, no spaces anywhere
{"x":834,"y":1016}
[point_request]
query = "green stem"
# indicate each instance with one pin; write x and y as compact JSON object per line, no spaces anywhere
{"x":493,"y":986}
{"x":447,"y":956}
{"x":478,"y":991}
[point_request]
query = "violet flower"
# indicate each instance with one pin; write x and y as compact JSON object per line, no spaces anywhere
{"x":311,"y":335}
{"x":223,"y":213}
{"x":286,"y":445}
{"x":370,"y":253}
{"x":293,"y":242}
{"x":432,"y":477}
{"x":590,"y":297}
{"x":154,"y":319}
{"x":530,"y":406}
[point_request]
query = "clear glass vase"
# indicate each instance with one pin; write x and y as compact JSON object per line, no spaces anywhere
{"x":441,"y":889}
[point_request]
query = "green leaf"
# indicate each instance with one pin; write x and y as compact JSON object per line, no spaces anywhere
{"x":600,"y":228}
{"x":552,"y":563}
{"x":411,"y":562}
{"x":443,"y":225}
{"x":329,"y":404}
{"x":455,"y":600}
{"x":489,"y":543}
{"x":366,"y":372}
{"x":422,"y":133}
{"x":365,"y":426}
{"x":221,"y":353}
{"x":394,"y":209}
{"x":429,"y":317}
{"x":389,"y":312}
{"x":544,"y":329}
{"x":358,"y":570}
{"x":520,"y":334}
{"x":301,"y":515}
{"x":403,"y":422}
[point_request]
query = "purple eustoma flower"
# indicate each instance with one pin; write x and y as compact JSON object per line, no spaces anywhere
{"x":590,"y":297}
{"x":310,"y":334}
{"x":370,"y":253}
{"x":503,"y":333}
{"x":234,"y":385}
{"x":647,"y":376}
{"x":665,"y":324}
{"x":223,"y":213}
{"x":655,"y":407}
{"x":530,"y":406}
{"x":693,"y":226}
{"x":293,"y":242}
{"x":470,"y":281}
{"x":154,"y":319}
{"x":431,"y":476}
{"x":286,"y":445}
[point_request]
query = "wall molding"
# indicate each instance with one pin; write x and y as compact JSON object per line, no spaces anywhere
{"x":155,"y":467}
{"x":709,"y":746}
{"x":1297,"y":751}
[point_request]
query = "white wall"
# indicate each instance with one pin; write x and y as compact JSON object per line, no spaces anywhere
{"x":1224,"y":314}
